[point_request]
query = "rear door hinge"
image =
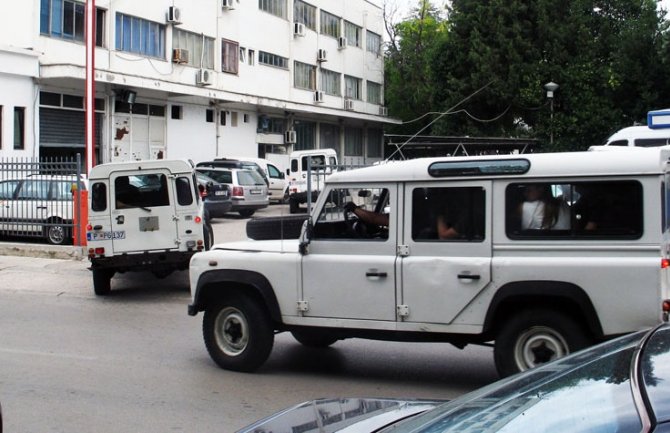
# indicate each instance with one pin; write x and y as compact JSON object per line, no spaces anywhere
{"x":402,"y":310}
{"x":402,"y":250}
{"x":303,"y":306}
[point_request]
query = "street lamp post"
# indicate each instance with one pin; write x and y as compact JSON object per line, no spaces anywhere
{"x":551,"y":87}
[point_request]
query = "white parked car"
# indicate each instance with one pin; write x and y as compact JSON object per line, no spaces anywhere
{"x":38,"y":205}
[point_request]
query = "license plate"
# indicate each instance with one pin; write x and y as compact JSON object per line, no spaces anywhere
{"x":219,"y":192}
{"x":106,"y":236}
{"x":256,"y":191}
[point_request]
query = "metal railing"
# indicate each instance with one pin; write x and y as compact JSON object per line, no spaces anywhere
{"x":36,"y":199}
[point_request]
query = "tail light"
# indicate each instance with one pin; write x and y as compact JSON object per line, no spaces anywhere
{"x":238,"y":191}
{"x":665,"y":263}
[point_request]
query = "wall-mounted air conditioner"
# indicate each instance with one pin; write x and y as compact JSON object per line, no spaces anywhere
{"x":349,"y":104}
{"x":227,"y":5}
{"x":341,"y":43}
{"x":204,"y":77}
{"x":173,"y":15}
{"x":383,"y":111}
{"x":298,"y":29}
{"x":180,"y":55}
{"x":290,"y":137}
{"x":321,"y":56}
{"x":318,"y":96}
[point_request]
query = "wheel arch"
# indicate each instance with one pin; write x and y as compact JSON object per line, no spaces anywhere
{"x":216,"y":284}
{"x":563,"y":296}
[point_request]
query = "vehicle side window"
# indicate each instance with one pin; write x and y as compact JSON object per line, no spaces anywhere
{"x":448,"y":214}
{"x":7,"y":189}
{"x":98,"y":197}
{"x":336,"y":223}
{"x":34,"y":190}
{"x":274,"y":172}
{"x":580,"y":210}
{"x":651,"y":142}
{"x":61,"y":190}
{"x":184,"y":196}
{"x":619,"y":143}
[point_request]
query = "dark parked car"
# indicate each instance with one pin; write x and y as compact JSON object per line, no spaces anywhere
{"x":618,"y":386}
{"x":216,"y":196}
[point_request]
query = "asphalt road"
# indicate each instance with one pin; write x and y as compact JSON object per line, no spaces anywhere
{"x":136,"y":362}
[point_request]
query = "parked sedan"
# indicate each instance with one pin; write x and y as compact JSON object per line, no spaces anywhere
{"x":249,"y":190}
{"x":38,"y":206}
{"x":617,"y":386}
{"x":215,"y":195}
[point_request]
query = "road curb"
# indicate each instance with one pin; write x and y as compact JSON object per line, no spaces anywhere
{"x":42,"y":251}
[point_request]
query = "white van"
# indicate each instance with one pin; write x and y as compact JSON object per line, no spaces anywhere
{"x":641,"y":136}
{"x":321,"y":162}
{"x":143,"y":216}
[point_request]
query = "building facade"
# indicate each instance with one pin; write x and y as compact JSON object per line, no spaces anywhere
{"x":196,"y":80}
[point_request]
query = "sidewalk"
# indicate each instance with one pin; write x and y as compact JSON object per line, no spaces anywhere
{"x":43,"y":251}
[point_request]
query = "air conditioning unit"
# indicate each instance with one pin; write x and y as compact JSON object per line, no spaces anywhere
{"x":383,"y":111}
{"x":341,"y":43}
{"x":298,"y":29}
{"x":349,"y":104}
{"x":204,"y":77}
{"x":321,"y":56}
{"x":180,"y":55}
{"x":173,"y":15}
{"x":227,"y":5}
{"x":318,"y":96}
{"x":290,"y":137}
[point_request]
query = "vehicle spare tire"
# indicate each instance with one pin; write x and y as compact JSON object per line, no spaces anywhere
{"x":280,"y":227}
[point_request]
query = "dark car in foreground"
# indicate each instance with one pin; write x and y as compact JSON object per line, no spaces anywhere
{"x":216,"y":196}
{"x":622,"y":385}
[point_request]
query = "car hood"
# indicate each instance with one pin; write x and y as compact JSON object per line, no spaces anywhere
{"x":270,"y":246}
{"x":343,"y":415}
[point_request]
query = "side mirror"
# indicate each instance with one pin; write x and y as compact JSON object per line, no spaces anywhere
{"x":281,"y":175}
{"x":305,"y":236}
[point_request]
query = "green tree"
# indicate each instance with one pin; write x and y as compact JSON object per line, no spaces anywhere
{"x":606,"y":57}
{"x":407,"y":69}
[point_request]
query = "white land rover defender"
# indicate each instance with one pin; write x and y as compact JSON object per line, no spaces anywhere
{"x":143,"y":216}
{"x":543,"y":254}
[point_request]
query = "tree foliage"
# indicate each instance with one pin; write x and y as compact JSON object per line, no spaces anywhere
{"x":491,"y":60}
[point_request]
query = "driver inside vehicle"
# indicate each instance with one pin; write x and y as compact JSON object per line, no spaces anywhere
{"x":366,"y":216}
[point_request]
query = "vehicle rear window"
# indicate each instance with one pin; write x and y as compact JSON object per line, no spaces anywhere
{"x":580,"y":210}
{"x":248,"y":178}
{"x":221,"y":176}
{"x":98,"y":197}
{"x":184,"y":195}
{"x":146,"y":190}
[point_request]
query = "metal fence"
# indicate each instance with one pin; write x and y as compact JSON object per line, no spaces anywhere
{"x":36,"y":199}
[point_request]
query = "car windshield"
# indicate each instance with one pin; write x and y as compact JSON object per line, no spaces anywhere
{"x":248,"y":177}
{"x":585,"y":392}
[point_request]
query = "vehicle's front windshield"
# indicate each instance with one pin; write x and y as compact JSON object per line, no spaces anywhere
{"x":561,"y":397}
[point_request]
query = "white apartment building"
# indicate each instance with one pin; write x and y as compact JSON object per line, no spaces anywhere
{"x":194,"y":79}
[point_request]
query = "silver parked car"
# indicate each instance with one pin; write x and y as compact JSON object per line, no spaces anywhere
{"x":249,"y":190}
{"x":39,"y":206}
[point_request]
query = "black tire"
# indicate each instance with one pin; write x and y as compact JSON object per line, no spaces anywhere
{"x":57,"y":233}
{"x":102,"y":281}
{"x":314,"y":338}
{"x":208,"y":233}
{"x":281,"y":227}
{"x":238,"y":334}
{"x":246,"y":213}
{"x":536,"y":336}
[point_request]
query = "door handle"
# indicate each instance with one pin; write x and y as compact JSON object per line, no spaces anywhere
{"x":468,"y":277}
{"x":41,"y":207}
{"x":120,"y":219}
{"x":376,"y":274}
